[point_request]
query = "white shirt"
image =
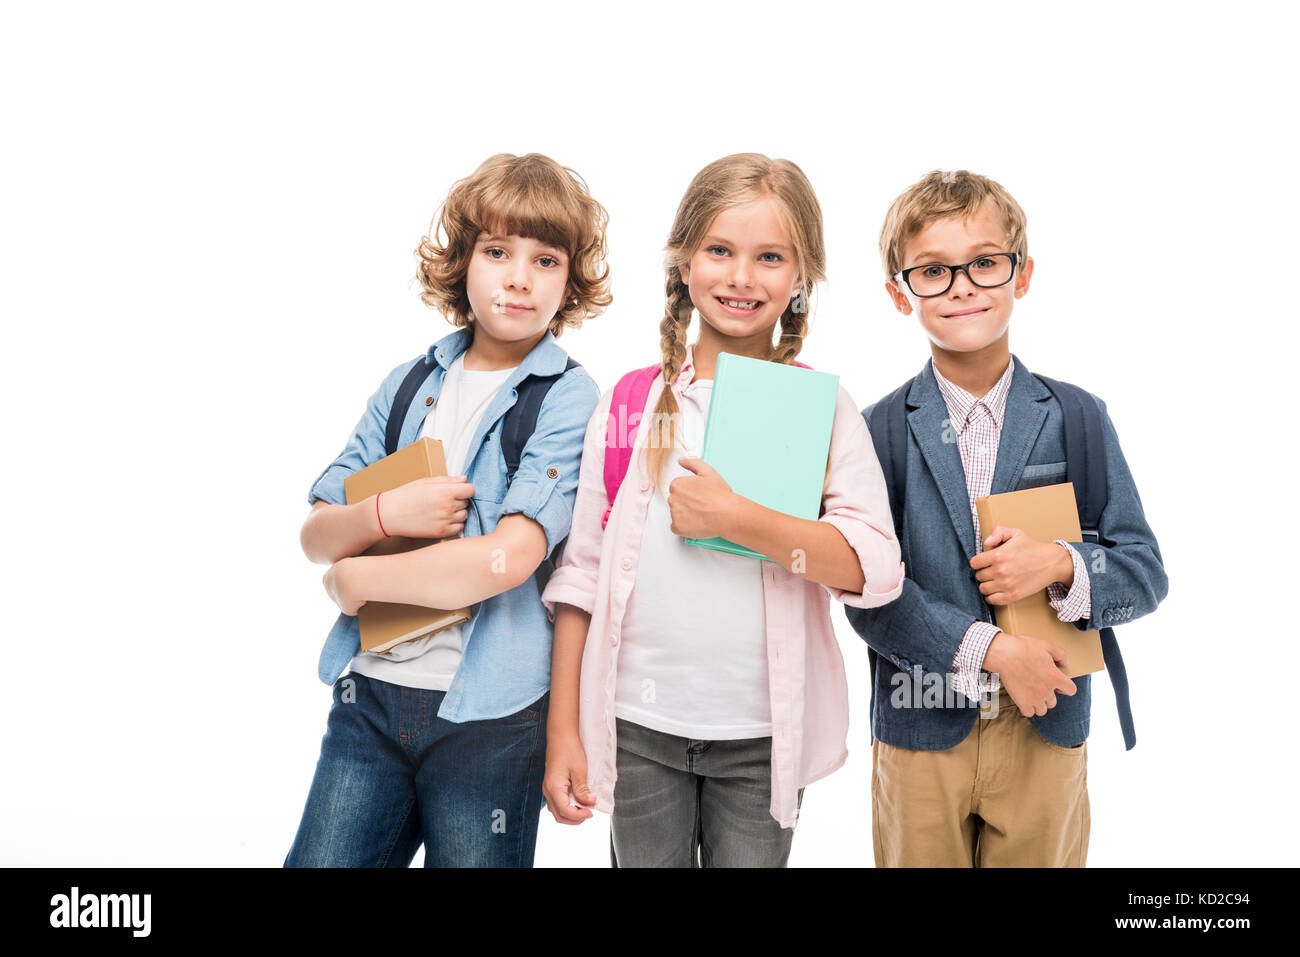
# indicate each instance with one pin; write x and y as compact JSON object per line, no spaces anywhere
{"x":431,"y":662}
{"x":702,"y":675}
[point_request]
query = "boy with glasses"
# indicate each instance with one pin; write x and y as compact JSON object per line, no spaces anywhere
{"x":1006,"y":786}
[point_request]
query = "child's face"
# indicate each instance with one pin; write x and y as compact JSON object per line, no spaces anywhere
{"x":515,"y":285}
{"x":744,"y":273}
{"x":966,"y":318}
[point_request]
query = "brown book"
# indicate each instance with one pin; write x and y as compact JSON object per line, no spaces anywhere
{"x":385,"y":624}
{"x":1046,"y":513}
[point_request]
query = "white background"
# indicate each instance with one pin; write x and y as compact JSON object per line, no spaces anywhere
{"x":208,"y":220}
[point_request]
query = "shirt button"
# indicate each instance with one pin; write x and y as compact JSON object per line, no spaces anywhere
{"x":645,"y":486}
{"x":627,"y":564}
{"x":429,"y":401}
{"x":613,"y":640}
{"x":551,"y":473}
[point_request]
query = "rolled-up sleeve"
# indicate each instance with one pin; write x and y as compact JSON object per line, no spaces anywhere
{"x":366,"y":445}
{"x":544,"y":484}
{"x":575,"y":578}
{"x":856,"y":502}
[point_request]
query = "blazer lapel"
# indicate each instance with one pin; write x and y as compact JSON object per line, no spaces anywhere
{"x":1022,"y":420}
{"x":937,"y":440}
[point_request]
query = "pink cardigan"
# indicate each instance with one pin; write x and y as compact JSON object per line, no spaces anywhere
{"x":809,"y":691}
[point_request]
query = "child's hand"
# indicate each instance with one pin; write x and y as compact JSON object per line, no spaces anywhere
{"x":565,"y":782}
{"x":337,"y":585}
{"x":1030,"y":669}
{"x":699,"y":503}
{"x":427,"y":507}
{"x":1014,"y":565}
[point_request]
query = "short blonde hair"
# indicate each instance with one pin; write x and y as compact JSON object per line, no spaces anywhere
{"x":532,"y":196}
{"x":939,"y":195}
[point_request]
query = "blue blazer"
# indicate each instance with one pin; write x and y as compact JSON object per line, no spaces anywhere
{"x":941,"y":598}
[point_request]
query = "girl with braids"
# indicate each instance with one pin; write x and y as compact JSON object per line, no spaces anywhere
{"x":694,"y":693}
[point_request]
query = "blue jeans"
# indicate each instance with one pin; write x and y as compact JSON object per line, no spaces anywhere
{"x":392,"y":774}
{"x":679,"y":802}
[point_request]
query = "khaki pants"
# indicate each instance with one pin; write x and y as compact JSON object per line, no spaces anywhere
{"x":1004,"y":797}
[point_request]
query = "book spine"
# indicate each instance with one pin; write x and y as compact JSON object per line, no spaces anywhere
{"x":719,"y":367}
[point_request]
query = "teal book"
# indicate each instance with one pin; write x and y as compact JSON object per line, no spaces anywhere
{"x":769,"y":435}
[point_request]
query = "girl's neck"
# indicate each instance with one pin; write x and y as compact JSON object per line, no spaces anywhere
{"x":704,"y":354}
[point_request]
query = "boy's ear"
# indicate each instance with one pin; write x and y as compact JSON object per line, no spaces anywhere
{"x":900,"y":300}
{"x":1023,"y":274}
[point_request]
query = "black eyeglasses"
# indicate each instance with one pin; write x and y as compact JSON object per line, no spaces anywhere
{"x":934,"y":279}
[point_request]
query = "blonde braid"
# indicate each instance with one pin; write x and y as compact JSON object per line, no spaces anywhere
{"x":794,"y":327}
{"x":673,"y":331}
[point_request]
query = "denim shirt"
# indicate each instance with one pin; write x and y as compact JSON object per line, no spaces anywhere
{"x":506,"y":644}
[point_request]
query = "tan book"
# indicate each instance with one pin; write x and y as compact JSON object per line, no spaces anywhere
{"x":1046,"y":513}
{"x":385,"y":624}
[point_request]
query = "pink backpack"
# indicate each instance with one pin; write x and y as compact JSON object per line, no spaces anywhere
{"x":630,"y":395}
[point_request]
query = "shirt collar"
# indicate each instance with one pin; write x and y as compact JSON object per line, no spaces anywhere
{"x":545,"y":358}
{"x":686,"y":375}
{"x":961,"y":403}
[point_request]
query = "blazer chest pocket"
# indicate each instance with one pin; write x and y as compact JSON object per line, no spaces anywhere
{"x":1035,"y":476}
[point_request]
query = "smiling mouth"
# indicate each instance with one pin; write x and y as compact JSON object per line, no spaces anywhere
{"x":739,"y":305}
{"x":965,"y":313}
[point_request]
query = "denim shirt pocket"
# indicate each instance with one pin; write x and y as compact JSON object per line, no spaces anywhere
{"x":489,"y":478}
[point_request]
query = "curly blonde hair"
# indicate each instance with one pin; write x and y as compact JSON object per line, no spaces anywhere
{"x":733,"y":181}
{"x":938,"y":195}
{"x":532,"y":196}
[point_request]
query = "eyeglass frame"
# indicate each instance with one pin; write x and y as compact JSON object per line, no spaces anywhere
{"x":902,"y":274}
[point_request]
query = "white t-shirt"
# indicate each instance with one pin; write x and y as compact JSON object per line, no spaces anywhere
{"x":431,"y":662}
{"x":693,"y":656}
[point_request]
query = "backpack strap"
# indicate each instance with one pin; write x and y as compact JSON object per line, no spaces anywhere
{"x":402,"y":402}
{"x":520,"y":420}
{"x":888,"y":427}
{"x":1085,"y":452}
{"x":629,"y":399}
{"x":517,"y":427}
{"x":1085,"y":466}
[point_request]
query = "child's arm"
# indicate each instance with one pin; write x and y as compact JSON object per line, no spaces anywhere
{"x":451,"y":574}
{"x":1120,"y":582}
{"x":534,"y":517}
{"x":426,"y":508}
{"x":569,"y":597}
{"x":565,"y":781}
{"x":850,"y":549}
{"x":334,"y":529}
{"x":706,"y":507}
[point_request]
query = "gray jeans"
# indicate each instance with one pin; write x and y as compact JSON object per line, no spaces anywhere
{"x":679,"y":802}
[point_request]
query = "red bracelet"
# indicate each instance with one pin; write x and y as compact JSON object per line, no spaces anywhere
{"x":381,"y":521}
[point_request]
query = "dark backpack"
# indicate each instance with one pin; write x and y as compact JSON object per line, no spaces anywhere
{"x":1085,"y":466}
{"x":517,"y":428}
